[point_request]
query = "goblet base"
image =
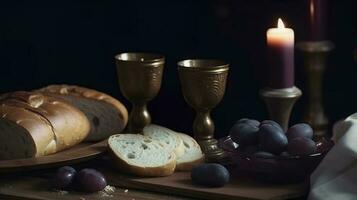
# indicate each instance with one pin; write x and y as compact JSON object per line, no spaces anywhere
{"x":211,"y":150}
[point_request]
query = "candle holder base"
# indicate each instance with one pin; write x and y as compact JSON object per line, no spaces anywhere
{"x":280,"y":103}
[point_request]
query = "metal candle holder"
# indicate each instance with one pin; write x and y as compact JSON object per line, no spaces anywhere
{"x":280,"y":103}
{"x":140,"y":76}
{"x":203,"y":84}
{"x":315,"y":54}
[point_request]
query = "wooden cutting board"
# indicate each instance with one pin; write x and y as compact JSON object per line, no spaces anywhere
{"x":239,"y":188}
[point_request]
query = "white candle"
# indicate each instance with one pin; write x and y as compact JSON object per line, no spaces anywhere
{"x":280,"y":42}
{"x":281,"y":35}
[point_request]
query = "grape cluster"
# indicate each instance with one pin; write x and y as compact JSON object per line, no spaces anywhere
{"x":267,"y":138}
{"x":88,"y":180}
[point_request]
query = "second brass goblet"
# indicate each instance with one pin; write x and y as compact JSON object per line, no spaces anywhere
{"x":140,"y":76}
{"x":203,"y":84}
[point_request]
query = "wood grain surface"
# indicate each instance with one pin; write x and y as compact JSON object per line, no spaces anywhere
{"x":238,"y":188}
{"x":36,"y":185}
{"x":37,"y":188}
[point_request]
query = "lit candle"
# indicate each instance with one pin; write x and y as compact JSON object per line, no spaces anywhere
{"x":280,"y":42}
{"x":317,"y":19}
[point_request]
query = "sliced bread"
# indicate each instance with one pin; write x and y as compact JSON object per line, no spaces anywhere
{"x":193,"y":154}
{"x":141,"y":155}
{"x":166,"y":136}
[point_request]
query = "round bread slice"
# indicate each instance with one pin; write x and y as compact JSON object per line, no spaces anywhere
{"x":141,"y":155}
{"x":193,"y":154}
{"x":106,"y":114}
{"x":166,"y":136}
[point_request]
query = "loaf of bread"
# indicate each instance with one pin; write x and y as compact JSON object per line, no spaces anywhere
{"x":106,"y":114}
{"x":33,"y":124}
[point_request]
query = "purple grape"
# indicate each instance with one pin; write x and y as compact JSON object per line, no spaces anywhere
{"x":301,"y":146}
{"x":90,"y":180}
{"x":63,"y":177}
{"x":272,"y":139}
{"x":211,"y":174}
{"x":251,"y":149}
{"x":300,"y":130}
{"x":263,"y":154}
{"x":244,"y":134}
{"x":252,"y":122}
{"x":273,"y":123}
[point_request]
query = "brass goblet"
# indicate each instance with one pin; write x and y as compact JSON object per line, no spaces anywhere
{"x":140,"y":76}
{"x":203,"y":83}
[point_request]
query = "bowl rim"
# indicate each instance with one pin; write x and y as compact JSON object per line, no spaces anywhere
{"x":277,"y":157}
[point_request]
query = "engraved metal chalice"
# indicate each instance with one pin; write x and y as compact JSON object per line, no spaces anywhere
{"x":140,"y":76}
{"x":203,"y":84}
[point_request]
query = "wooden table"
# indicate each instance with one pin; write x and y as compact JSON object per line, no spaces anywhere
{"x":35,"y":185}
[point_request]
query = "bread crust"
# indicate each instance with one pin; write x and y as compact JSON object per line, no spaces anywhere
{"x":66,"y":125}
{"x":88,"y":93}
{"x":187,"y":166}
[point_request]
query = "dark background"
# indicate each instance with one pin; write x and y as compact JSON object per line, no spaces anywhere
{"x":74,"y":42}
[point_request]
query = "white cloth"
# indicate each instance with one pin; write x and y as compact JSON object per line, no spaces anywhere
{"x":336,"y":176}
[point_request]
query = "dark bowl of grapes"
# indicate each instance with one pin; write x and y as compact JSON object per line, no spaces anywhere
{"x":263,"y":151}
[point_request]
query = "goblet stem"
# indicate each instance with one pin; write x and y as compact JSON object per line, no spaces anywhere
{"x":203,"y":129}
{"x":139,"y":117}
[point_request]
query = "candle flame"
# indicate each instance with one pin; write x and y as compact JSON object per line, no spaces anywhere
{"x":312,"y":9}
{"x":280,"y":23}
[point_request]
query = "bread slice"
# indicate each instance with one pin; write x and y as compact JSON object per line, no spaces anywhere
{"x":166,"y":136}
{"x":141,"y":155}
{"x":106,"y":114}
{"x":193,"y":154}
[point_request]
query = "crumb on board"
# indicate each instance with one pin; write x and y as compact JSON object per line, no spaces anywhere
{"x":109,"y":189}
{"x":126,"y":191}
